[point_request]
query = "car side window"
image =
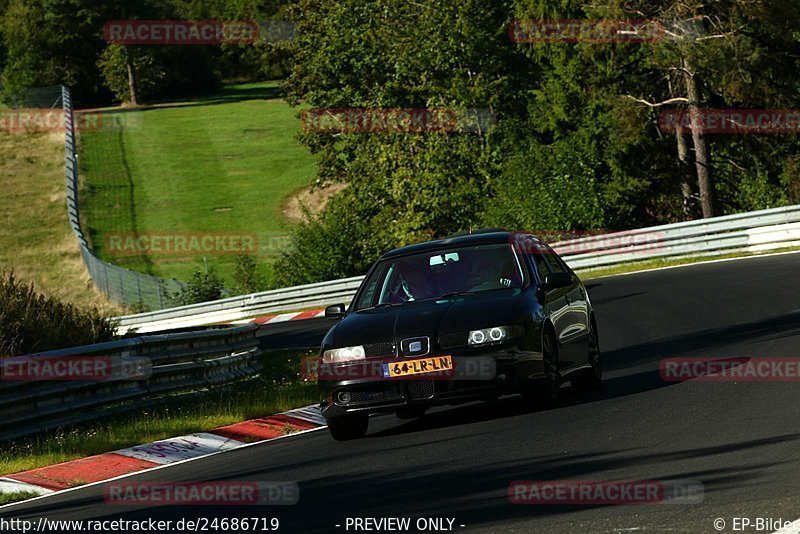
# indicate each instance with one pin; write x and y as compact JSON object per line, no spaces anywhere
{"x":368,"y":295}
{"x":564,"y":265}
{"x":541,"y":265}
{"x":531,"y":248}
{"x":552,"y":260}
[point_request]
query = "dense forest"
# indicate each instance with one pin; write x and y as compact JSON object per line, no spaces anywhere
{"x":576,"y":141}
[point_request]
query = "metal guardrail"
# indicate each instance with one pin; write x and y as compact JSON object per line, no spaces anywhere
{"x":235,"y":308}
{"x":126,"y":287}
{"x":758,"y":230}
{"x":175,"y":363}
{"x":754,"y":231}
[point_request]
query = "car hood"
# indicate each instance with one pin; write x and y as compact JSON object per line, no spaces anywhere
{"x":431,"y":318}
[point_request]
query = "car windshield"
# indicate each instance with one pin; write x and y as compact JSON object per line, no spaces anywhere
{"x":441,"y":273}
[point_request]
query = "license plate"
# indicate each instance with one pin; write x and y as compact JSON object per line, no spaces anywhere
{"x":437,"y":364}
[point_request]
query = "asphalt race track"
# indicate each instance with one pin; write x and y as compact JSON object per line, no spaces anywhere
{"x":741,"y":440}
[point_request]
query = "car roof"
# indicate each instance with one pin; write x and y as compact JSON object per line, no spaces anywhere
{"x":478,"y":237}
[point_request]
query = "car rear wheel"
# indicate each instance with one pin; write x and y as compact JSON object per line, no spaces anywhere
{"x":591,"y":379}
{"x":347,"y":427}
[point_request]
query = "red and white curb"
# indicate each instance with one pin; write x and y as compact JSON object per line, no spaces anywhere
{"x":282,"y":318}
{"x":103,"y":467}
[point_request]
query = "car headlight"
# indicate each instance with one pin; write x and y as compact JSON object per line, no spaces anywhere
{"x":346,"y":354}
{"x":488,"y":335}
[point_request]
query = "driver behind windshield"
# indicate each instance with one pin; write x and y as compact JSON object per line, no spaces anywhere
{"x":426,"y":277}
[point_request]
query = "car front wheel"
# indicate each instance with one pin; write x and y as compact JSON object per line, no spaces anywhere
{"x":347,"y":427}
{"x":545,"y":392}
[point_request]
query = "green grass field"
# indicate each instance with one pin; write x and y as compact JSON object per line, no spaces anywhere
{"x":225,"y":163}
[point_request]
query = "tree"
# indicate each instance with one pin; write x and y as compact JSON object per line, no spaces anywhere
{"x":50,"y":42}
{"x":402,"y":186}
{"x":702,"y":43}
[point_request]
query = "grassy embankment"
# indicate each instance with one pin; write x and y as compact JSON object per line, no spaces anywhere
{"x":224,"y":163}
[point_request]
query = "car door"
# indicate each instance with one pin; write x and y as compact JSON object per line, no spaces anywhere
{"x":555,"y":306}
{"x":574,"y":332}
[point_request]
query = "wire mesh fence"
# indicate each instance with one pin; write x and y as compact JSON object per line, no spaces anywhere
{"x":129,"y":288}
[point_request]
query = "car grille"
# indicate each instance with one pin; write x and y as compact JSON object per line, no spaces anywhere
{"x":377,"y":350}
{"x":420,"y":389}
{"x":357,"y":397}
{"x":450,"y":341}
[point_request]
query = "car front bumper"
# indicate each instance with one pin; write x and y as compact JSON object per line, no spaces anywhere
{"x":511,"y":370}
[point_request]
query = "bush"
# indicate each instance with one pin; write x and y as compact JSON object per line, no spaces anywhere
{"x":203,"y":287}
{"x":246,"y":276}
{"x":30,"y":322}
{"x":546,"y":189}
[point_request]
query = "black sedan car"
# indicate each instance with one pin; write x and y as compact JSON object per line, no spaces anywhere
{"x":465,"y":318}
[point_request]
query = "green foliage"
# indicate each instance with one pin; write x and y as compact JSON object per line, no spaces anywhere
{"x":50,"y":42}
{"x":204,"y":286}
{"x":571,"y":150}
{"x":160,"y":72}
{"x":547,"y":188}
{"x":573,"y":147}
{"x":150,"y":75}
{"x":30,"y":322}
{"x":328,"y":247}
{"x":402,"y":187}
{"x":25,"y":64}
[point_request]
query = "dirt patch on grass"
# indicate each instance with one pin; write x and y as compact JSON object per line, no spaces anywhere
{"x":314,"y":198}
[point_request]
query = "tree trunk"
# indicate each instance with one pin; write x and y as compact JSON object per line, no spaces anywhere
{"x":702,"y":157}
{"x":685,"y":173}
{"x":131,"y":76}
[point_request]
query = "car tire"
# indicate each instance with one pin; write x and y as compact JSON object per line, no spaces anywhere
{"x":591,"y":379}
{"x":410,"y":412}
{"x":348,"y":427}
{"x":545,"y":393}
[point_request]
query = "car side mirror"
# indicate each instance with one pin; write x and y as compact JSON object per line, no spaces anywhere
{"x":556,"y":280}
{"x":336,"y":311}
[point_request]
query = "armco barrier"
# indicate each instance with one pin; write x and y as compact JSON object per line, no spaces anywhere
{"x":755,"y":231}
{"x":175,"y":363}
{"x":235,"y":308}
{"x":751,"y":232}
